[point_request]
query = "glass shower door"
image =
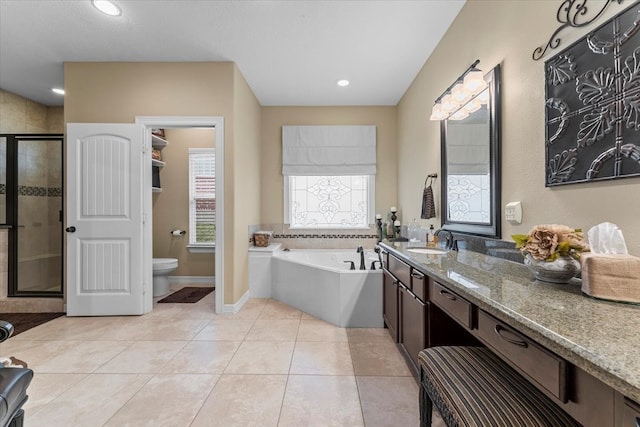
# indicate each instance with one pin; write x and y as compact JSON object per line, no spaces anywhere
{"x":39,"y":205}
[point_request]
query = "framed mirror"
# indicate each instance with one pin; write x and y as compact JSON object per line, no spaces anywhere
{"x":470,"y":151}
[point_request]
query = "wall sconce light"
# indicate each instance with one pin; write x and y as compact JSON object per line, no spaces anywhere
{"x":465,"y":96}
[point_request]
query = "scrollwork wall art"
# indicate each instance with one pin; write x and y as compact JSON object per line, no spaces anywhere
{"x":571,"y":13}
{"x":593,"y":105}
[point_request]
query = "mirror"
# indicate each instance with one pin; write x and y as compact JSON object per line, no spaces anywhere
{"x":470,"y":150}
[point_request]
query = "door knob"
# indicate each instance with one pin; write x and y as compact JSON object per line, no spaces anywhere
{"x":71,"y":229}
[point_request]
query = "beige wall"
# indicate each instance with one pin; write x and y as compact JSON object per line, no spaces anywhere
{"x":506,"y":33}
{"x":273,"y":118}
{"x":245,"y":191}
{"x":117,"y":92}
{"x":171,"y":206}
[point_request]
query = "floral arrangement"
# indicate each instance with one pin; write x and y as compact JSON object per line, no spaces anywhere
{"x":550,"y":241}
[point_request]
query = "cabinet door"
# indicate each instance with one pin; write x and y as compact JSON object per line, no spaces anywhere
{"x":631,"y":417}
{"x":390,"y":305}
{"x":414,"y":324}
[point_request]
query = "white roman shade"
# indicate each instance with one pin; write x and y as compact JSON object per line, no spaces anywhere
{"x":468,"y":149}
{"x":328,"y":150}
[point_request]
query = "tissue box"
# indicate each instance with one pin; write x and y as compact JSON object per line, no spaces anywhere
{"x":611,"y":277}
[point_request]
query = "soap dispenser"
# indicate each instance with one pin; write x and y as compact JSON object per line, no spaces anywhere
{"x":431,"y":236}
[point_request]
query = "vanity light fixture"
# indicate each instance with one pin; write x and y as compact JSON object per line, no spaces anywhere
{"x":463,"y":97}
{"x":58,"y":90}
{"x":107,"y":7}
{"x":343,"y":83}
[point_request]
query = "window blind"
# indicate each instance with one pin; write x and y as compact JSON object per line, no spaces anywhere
{"x":328,"y":150}
{"x":202,"y":196}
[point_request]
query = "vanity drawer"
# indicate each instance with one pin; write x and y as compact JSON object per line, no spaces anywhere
{"x":631,"y":415}
{"x":456,"y":306}
{"x":543,"y":367}
{"x":419,"y":284}
{"x":401,"y":270}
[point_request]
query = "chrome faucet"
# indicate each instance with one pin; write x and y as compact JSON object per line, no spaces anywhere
{"x":361,"y":252}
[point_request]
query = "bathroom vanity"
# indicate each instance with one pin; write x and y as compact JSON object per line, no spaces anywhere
{"x":581,"y":352}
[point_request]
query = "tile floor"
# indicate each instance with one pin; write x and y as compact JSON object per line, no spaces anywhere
{"x":182,"y":365}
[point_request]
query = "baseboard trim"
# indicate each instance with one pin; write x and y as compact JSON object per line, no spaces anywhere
{"x":234,"y":308}
{"x":193,"y":280}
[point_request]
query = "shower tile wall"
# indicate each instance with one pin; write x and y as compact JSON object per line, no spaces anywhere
{"x":21,"y":115}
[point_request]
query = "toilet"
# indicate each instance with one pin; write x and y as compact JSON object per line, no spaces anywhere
{"x":162,"y":267}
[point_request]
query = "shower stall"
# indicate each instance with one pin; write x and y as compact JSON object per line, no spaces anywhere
{"x":31,"y":189}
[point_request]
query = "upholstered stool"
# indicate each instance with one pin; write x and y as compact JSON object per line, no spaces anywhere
{"x":471,"y":386}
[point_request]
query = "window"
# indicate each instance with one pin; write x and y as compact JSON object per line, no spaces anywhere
{"x":202,"y":196}
{"x":329,"y":175}
{"x":339,"y":202}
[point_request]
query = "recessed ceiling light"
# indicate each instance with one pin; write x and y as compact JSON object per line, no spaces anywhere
{"x":58,"y":90}
{"x":107,"y":7}
{"x":342,"y":83}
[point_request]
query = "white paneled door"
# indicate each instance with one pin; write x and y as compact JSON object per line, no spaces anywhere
{"x":104,"y":226}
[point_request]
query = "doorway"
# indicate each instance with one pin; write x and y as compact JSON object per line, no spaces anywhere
{"x":31,"y":194}
{"x":217,"y":123}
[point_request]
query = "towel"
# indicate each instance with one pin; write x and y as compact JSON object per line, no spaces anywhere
{"x":428,"y":205}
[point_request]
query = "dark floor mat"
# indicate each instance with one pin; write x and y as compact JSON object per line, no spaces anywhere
{"x":24,"y":321}
{"x":188,"y":294}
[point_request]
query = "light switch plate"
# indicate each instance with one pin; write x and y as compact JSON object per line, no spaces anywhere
{"x":513,"y":212}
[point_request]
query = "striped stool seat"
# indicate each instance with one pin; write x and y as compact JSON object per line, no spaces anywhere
{"x":471,"y":386}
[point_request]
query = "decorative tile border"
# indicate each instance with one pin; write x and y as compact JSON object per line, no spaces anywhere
{"x":54,"y":192}
{"x":325,"y":236}
{"x":317,"y":239}
{"x":27,"y":190}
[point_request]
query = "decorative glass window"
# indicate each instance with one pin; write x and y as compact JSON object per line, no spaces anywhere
{"x":202,"y":196}
{"x":344,"y":201}
{"x":469,"y":198}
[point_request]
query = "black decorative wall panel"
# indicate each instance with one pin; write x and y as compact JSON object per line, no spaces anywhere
{"x":593,"y":105}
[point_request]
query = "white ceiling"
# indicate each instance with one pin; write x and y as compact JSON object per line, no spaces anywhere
{"x":290,"y":52}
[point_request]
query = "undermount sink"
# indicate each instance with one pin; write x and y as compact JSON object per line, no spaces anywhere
{"x":427,"y":251}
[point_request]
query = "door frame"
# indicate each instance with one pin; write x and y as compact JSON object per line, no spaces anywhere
{"x":216,"y":122}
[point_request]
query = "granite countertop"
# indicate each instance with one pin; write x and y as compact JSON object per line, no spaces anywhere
{"x":601,"y":337}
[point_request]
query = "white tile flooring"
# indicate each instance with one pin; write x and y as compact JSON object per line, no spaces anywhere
{"x":183,"y":365}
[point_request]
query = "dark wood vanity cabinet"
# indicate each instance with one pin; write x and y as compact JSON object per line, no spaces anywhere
{"x":456,"y":306}
{"x":543,"y":367}
{"x":390,"y":304}
{"x":630,"y":414}
{"x":414,"y":312}
{"x":422,"y":310}
{"x":413,"y":322}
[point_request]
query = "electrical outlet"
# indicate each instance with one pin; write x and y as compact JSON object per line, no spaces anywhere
{"x":513,"y":212}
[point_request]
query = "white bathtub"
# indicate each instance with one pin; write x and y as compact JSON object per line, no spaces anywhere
{"x":319,"y":282}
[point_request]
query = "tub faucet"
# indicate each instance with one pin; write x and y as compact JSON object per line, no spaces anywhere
{"x":361,"y":252}
{"x":352,"y":266}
